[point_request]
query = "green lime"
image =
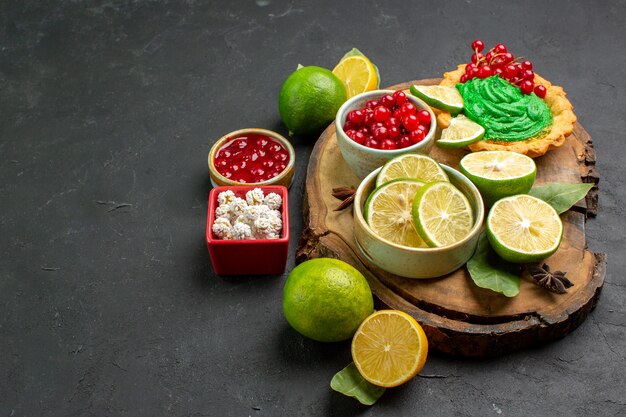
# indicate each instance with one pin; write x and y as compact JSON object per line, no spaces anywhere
{"x":440,"y":97}
{"x":524,"y":229}
{"x":411,"y":165}
{"x":388,"y":212}
{"x":442,"y":214}
{"x":461,"y":132}
{"x":309,"y":100}
{"x":499,"y":174}
{"x":326,"y":299}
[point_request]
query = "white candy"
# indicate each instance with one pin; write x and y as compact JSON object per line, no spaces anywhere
{"x":273,"y":201}
{"x":237,"y":207}
{"x":225,"y":197}
{"x":254,"y":197}
{"x":222,"y":228}
{"x":242,"y":231}
{"x":222,"y":211}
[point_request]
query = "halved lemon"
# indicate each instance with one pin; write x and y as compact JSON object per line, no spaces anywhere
{"x":388,"y":212}
{"x":411,"y":165}
{"x":442,"y":214}
{"x":461,"y":132}
{"x":523,"y":229}
{"x":440,"y":97}
{"x":499,"y":174}
{"x":389,"y":348}
{"x":357,"y":74}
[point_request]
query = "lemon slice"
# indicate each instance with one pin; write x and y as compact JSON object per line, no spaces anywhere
{"x":388,"y":212}
{"x":499,"y":174}
{"x":523,"y":229}
{"x":389,"y":348}
{"x":440,"y":97}
{"x":442,"y":214}
{"x":411,"y":165}
{"x":461,"y":132}
{"x":357,"y":74}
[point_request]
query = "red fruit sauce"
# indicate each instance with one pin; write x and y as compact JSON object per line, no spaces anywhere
{"x":251,"y":158}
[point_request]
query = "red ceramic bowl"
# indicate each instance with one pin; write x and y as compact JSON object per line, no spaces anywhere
{"x":248,"y":257}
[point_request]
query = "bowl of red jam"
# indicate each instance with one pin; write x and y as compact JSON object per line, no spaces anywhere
{"x":252,"y":157}
{"x":376,"y":126}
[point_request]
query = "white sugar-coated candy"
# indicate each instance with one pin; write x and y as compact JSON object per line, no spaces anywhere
{"x":273,"y":201}
{"x":225,"y":197}
{"x":242,"y":231}
{"x":255,"y":197}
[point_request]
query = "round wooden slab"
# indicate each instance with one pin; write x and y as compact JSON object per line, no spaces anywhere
{"x":460,"y":318}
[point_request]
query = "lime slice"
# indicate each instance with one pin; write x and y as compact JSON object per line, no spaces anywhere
{"x":499,"y":174}
{"x":440,"y":97}
{"x":411,"y":165}
{"x":442,"y":214}
{"x":523,"y":229}
{"x":461,"y":132}
{"x":388,"y":212}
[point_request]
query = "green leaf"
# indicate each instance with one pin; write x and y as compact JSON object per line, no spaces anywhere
{"x":349,"y":382}
{"x":356,"y":52}
{"x":299,"y":66}
{"x":561,"y":196}
{"x":490,"y":271}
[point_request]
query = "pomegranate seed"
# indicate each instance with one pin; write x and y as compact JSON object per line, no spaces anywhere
{"x":424,"y":117}
{"x":410,"y":122}
{"x":541,"y":91}
{"x":372,"y":104}
{"x":350,"y":126}
{"x":382,"y":113}
{"x":388,"y":101}
{"x":408,"y":109}
{"x":399,"y":98}
{"x":388,"y":144}
{"x":404,"y":141}
{"x":478,"y":45}
{"x":500,"y":49}
{"x":527,"y":65}
{"x":372,"y":143}
{"x":416,"y":136}
{"x":356,"y":116}
{"x":350,"y":133}
{"x":369,"y":117}
{"x":526,"y":87}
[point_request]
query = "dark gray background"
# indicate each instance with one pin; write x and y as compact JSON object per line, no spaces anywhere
{"x":108,"y":310}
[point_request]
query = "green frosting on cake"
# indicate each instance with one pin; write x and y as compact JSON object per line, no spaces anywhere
{"x":502,"y":109}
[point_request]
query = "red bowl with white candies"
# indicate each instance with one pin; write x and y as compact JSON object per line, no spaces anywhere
{"x":252,"y":156}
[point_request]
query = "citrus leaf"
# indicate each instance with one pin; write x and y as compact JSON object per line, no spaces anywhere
{"x":356,"y":52}
{"x":490,"y":271}
{"x":349,"y":382}
{"x":561,"y":196}
{"x":299,"y":66}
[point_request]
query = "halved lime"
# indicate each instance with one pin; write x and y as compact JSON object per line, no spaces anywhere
{"x":499,"y":174}
{"x":440,"y":97}
{"x":523,"y":229}
{"x":442,"y":214}
{"x":461,"y":132}
{"x":388,"y":212}
{"x":411,"y":165}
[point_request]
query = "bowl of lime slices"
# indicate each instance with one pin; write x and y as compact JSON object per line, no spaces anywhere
{"x":416,"y":218}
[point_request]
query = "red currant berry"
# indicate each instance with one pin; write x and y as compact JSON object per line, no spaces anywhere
{"x":356,"y":116}
{"x":464,"y":78}
{"x":527,"y":65}
{"x":500,"y":49}
{"x":393,"y":132}
{"x":478,"y":45}
{"x":410,"y":122}
{"x":372,"y":104}
{"x":403,"y":142}
{"x":469,"y":67}
{"x":484,"y":72}
{"x":408,"y":109}
{"x":416,"y":136}
{"x":474,"y":73}
{"x":541,"y":91}
{"x":528,"y":75}
{"x":498,"y":71}
{"x":369,"y":118}
{"x":527,"y":86}
{"x":388,"y":144}
{"x":359,"y":138}
{"x":476,"y":58}
{"x":382,"y":113}
{"x":508,"y":57}
{"x":510,"y":72}
{"x":424,"y":117}
{"x":399,"y":98}
{"x":388,"y":101}
{"x":380,"y":133}
{"x":350,"y":126}
{"x":489,"y":57}
{"x":372,"y":143}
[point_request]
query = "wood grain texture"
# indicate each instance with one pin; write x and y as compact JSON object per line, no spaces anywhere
{"x":460,"y":318}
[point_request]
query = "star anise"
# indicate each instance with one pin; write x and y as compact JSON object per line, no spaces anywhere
{"x":346,"y":195}
{"x":552,"y":281}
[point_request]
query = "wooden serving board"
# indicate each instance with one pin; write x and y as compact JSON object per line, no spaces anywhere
{"x":460,"y":318}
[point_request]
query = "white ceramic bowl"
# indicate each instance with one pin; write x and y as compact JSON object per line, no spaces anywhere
{"x":417,"y":262}
{"x":364,"y":160}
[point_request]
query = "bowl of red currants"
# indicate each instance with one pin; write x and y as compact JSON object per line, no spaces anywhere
{"x":252,"y":157}
{"x":376,"y":126}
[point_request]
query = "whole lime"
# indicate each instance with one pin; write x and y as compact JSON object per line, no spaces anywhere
{"x":309,"y":100}
{"x":326,"y":299}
